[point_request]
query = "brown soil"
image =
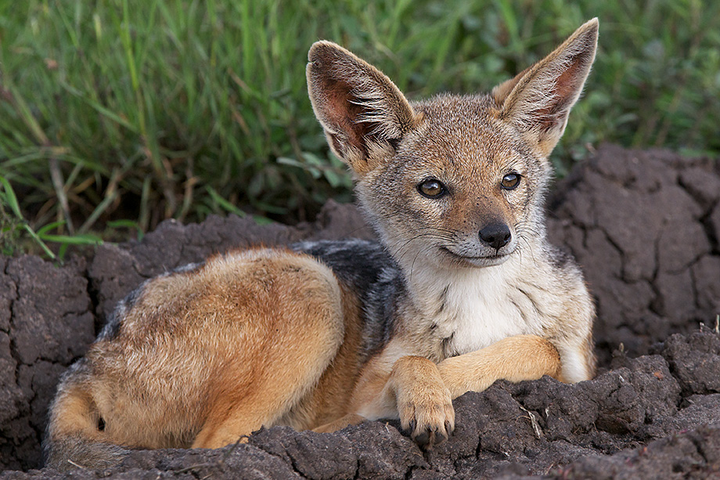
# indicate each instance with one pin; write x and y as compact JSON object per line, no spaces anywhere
{"x":643,"y":224}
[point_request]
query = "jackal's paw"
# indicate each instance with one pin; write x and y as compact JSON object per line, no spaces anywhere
{"x":429,"y":418}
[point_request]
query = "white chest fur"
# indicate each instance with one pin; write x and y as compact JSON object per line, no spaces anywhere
{"x":477,"y":307}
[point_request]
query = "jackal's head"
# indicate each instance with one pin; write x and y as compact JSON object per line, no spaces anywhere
{"x":454,"y":180}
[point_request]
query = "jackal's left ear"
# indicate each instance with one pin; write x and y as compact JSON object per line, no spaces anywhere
{"x":538,"y":100}
{"x":362,"y":111}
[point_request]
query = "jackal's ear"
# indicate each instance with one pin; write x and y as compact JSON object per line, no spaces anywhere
{"x":538,"y":100}
{"x":363,"y":113}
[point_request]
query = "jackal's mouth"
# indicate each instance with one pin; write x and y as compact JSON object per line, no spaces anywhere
{"x":476,"y":261}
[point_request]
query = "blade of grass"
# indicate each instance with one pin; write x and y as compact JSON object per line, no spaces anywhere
{"x":39,"y":241}
{"x":216,"y":197}
{"x":11,"y":199}
{"x":99,"y":108}
{"x":128,"y":224}
{"x":78,"y":239}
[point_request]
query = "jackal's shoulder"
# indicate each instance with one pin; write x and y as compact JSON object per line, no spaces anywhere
{"x":373,"y":275}
{"x":360,"y":263}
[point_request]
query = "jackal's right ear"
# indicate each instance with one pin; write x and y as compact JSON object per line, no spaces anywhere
{"x":362,"y":111}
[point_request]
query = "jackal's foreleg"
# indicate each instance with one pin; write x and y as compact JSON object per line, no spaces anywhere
{"x":522,"y":357}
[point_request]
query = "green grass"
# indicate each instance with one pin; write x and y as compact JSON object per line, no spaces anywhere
{"x":141,"y":111}
{"x":12,"y":224}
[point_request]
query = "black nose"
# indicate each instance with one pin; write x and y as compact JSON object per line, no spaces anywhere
{"x":496,"y":235}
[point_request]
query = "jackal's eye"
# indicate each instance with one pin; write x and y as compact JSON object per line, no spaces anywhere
{"x":510,"y":181}
{"x":432,"y":188}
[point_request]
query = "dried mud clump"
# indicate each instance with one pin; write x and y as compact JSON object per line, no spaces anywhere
{"x":645,"y":227}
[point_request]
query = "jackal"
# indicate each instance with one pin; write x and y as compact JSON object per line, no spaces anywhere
{"x":462,"y":290}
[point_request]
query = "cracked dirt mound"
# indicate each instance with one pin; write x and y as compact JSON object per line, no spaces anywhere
{"x":643,"y":224}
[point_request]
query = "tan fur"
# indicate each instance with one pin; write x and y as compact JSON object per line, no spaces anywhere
{"x":267,"y":337}
{"x":259,"y":327}
{"x":331,"y":398}
{"x":70,"y":415}
{"x":522,"y":357}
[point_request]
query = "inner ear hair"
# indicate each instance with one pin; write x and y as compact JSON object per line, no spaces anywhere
{"x":360,"y":109}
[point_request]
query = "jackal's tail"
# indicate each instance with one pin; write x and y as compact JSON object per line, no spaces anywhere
{"x":74,"y":433}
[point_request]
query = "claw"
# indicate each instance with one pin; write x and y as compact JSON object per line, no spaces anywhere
{"x":412,"y":426}
{"x":449,"y":428}
{"x":423,"y":439}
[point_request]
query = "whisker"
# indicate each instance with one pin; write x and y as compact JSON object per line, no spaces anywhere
{"x":403,"y":249}
{"x":412,"y":266}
